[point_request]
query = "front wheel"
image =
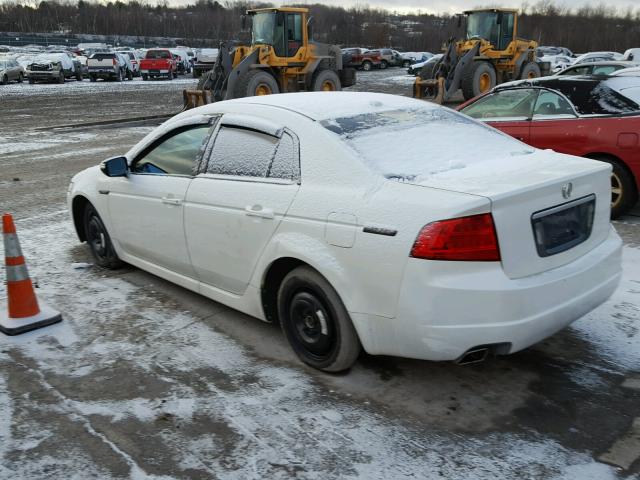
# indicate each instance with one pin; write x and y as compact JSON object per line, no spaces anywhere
{"x":20,"y":78}
{"x":477,"y":78}
{"x":366,"y":66}
{"x":383,"y":65}
{"x":256,"y":83}
{"x":315,"y":321}
{"x":99,"y":240}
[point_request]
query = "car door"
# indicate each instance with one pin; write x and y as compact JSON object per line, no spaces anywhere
{"x":507,"y":110}
{"x":146,"y":208}
{"x":234,"y":208}
{"x":555,"y":125}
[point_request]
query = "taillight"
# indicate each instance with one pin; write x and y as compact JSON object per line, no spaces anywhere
{"x":463,"y":239}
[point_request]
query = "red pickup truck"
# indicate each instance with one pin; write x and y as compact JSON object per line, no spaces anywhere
{"x":362,"y":58}
{"x":158,"y":63}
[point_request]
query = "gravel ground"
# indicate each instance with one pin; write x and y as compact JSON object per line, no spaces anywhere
{"x":144,"y":379}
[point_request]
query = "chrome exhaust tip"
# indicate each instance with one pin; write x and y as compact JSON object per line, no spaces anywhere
{"x":475,"y":355}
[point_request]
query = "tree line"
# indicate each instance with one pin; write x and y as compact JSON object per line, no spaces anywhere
{"x":583,"y":29}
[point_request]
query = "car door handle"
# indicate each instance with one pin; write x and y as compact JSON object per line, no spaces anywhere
{"x":258,"y":211}
{"x":171,"y":201}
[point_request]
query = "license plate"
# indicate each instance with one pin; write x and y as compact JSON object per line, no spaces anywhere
{"x":560,"y":228}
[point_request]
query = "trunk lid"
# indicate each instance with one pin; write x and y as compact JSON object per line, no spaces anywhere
{"x":542,"y":186}
{"x":155,"y":64}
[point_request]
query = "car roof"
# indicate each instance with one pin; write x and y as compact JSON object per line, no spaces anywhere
{"x":327,"y":105}
{"x":602,"y":63}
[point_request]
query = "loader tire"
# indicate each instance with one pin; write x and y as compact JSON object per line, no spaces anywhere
{"x":325,"y":81}
{"x":479,"y":77}
{"x":256,"y":83}
{"x":530,"y":70}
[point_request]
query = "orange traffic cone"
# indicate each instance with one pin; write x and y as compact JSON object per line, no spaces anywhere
{"x":24,"y":313}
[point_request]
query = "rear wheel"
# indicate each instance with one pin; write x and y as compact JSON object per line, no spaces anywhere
{"x":383,"y":64}
{"x":366,"y":66}
{"x":479,"y":77}
{"x":624,"y":192}
{"x":61,"y":77}
{"x":99,"y":241}
{"x":20,"y":77}
{"x":325,"y":81}
{"x":315,"y":322}
{"x":78,"y":76}
{"x":129,"y":75}
{"x":530,"y":70}
{"x":256,"y":83}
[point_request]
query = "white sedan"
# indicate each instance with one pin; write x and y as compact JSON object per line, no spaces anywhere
{"x":310,"y":210}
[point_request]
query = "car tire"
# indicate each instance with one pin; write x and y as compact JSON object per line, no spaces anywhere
{"x":119,"y":77}
{"x":325,"y":80}
{"x":99,"y":240}
{"x":624,"y":191}
{"x":530,"y":70}
{"x":383,"y":65}
{"x":5,"y":80}
{"x":256,"y":83}
{"x":31,"y":81}
{"x":367,"y":66}
{"x":144,"y":78}
{"x":315,"y":322}
{"x":20,"y":77}
{"x":129,"y":75}
{"x":92,"y":78}
{"x":478,"y":77}
{"x":406,"y":64}
{"x":61,"y":77}
{"x":78,"y":77}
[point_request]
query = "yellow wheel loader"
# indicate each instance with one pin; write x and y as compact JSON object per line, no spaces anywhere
{"x":281,"y":58}
{"x":490,"y":54}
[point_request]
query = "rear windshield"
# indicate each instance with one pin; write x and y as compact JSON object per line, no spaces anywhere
{"x":103,"y":56}
{"x":614,"y":96}
{"x":411,"y":145}
{"x":158,"y":54}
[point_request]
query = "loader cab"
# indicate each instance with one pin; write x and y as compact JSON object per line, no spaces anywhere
{"x":283,"y":29}
{"x":498,"y":27}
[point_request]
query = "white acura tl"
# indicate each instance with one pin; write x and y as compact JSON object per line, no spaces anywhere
{"x":360,"y":221}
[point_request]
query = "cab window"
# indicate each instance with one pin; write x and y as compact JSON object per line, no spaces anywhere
{"x":175,"y":154}
{"x":294,"y":33}
{"x":508,"y":104}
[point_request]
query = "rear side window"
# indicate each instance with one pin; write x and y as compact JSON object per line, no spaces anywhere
{"x":550,"y":104}
{"x":607,"y":97}
{"x":241,"y":152}
{"x":515,"y":104}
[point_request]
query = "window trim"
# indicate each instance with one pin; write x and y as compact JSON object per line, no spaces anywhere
{"x":220,"y":176}
{"x":211,"y":123}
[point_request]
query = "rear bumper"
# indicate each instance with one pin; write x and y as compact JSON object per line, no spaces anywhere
{"x":447,"y":308}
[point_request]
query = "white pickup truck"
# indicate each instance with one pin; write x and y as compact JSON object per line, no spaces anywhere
{"x":108,"y":66}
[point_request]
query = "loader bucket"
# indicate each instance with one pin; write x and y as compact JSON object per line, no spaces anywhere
{"x":194,"y":99}
{"x":432,"y":89}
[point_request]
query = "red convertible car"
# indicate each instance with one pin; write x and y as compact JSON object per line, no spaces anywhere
{"x":594,"y":117}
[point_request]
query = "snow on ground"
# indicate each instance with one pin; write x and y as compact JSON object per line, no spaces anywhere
{"x":239,"y":417}
{"x":69,"y":87}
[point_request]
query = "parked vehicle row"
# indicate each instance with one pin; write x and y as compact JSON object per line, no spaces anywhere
{"x":382,"y":58}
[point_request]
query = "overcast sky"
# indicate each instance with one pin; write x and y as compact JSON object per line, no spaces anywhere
{"x":456,"y":6}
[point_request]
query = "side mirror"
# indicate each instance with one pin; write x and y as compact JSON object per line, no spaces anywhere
{"x":115,"y":167}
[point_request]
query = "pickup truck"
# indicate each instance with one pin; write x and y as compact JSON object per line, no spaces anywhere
{"x":159,"y":63}
{"x":108,"y":66}
{"x":205,"y":60}
{"x":362,"y":58}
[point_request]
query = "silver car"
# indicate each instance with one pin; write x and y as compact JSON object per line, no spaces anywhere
{"x":10,"y":70}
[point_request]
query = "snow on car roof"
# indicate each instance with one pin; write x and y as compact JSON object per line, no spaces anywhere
{"x":326,"y":105}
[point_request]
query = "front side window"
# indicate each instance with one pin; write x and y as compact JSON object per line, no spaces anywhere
{"x":176,"y":154}
{"x":262,"y":28}
{"x":605,"y":69}
{"x":584,"y":70}
{"x":512,"y":104}
{"x":240,"y":152}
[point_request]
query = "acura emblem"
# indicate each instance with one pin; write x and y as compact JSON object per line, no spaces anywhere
{"x":567,"y":188}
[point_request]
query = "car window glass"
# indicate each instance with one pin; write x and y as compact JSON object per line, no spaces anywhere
{"x":552,"y":104}
{"x":502,"y":104}
{"x":241,"y":152}
{"x":598,"y":97}
{"x":577,"y":70}
{"x":285,"y":162}
{"x":604,"y":69}
{"x":175,"y":155}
